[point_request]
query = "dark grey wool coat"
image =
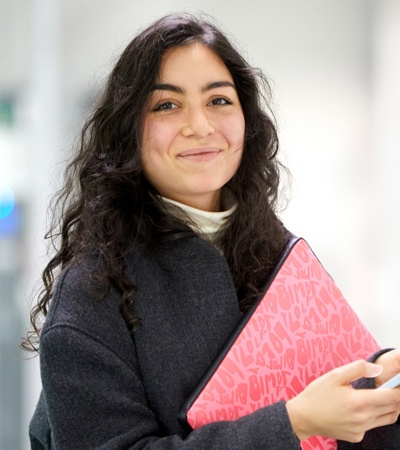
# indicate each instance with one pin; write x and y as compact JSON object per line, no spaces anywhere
{"x":106,"y":389}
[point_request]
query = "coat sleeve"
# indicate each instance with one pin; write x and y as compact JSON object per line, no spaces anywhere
{"x":96,"y":400}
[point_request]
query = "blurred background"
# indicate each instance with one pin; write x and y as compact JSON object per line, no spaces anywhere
{"x":334,"y":68}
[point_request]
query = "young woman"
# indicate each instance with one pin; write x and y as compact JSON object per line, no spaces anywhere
{"x":167,"y":234}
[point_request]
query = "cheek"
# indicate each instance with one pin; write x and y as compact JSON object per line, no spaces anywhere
{"x":233,"y":130}
{"x":157,"y":138}
{"x":150,"y":149}
{"x":235,"y":136}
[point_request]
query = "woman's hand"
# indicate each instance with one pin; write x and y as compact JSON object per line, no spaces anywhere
{"x":331,"y":407}
{"x":390,"y":361}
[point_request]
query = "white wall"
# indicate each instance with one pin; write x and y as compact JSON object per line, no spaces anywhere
{"x":334,"y":67}
{"x":385,"y":137}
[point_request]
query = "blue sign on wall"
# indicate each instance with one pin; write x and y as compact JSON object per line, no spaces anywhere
{"x":10,"y":214}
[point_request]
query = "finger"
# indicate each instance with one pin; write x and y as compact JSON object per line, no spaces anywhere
{"x":387,"y":396}
{"x":355,"y":370}
{"x":390,"y":360}
{"x":380,"y":402}
{"x":386,"y":408}
{"x":386,"y":419}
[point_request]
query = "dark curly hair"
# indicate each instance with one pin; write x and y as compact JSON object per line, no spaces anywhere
{"x":107,"y":205}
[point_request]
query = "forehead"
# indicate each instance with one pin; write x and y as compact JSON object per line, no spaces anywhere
{"x":190,"y":63}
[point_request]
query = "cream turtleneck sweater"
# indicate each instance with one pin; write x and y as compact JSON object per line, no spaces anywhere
{"x":207,"y":224}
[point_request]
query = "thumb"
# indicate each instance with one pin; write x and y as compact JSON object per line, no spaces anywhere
{"x":357,"y":369}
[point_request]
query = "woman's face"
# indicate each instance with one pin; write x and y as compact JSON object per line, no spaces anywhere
{"x":194,"y":128}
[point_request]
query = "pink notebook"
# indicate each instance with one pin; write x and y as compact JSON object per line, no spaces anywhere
{"x":301,"y":328}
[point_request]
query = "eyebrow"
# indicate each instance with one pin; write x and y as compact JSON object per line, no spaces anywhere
{"x":179,"y":90}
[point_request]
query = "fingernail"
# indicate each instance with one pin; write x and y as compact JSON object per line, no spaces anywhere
{"x":374,"y":370}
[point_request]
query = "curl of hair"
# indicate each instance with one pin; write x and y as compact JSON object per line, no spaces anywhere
{"x":107,"y":206}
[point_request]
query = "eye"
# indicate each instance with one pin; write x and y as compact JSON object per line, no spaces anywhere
{"x":164,"y":106}
{"x":220,"y":101}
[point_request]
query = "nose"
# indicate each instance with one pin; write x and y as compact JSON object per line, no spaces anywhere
{"x":197,"y":124}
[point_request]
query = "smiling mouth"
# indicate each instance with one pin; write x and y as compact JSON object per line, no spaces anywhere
{"x":199,"y":154}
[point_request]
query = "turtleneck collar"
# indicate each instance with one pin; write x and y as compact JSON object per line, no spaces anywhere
{"x":207,"y":224}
